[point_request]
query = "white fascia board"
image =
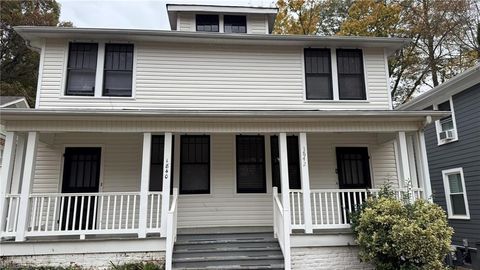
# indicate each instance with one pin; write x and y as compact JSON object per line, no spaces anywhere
{"x":221,"y":9}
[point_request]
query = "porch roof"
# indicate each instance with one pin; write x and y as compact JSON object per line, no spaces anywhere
{"x":221,"y":115}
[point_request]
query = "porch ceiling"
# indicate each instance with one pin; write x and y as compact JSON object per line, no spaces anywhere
{"x":215,"y":121}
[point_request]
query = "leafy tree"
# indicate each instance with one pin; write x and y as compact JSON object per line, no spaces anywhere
{"x":18,"y":63}
{"x":310,"y":17}
{"x":396,"y":234}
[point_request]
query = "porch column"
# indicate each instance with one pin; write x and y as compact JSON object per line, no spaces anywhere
{"x":28,"y":175}
{"x":403,"y":157}
{"x":422,"y":156}
{"x":167,"y":154}
{"x":305,"y":178}
{"x":18,"y":167}
{"x":282,"y":143}
{"x":6,"y":176}
{"x":144,"y":185}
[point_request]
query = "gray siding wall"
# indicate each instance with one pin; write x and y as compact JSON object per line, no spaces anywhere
{"x":463,"y":153}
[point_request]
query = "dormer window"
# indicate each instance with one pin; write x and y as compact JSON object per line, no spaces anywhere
{"x":207,"y":23}
{"x":235,"y":24}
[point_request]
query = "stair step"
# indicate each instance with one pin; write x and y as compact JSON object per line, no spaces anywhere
{"x":227,"y":253}
{"x":228,"y":261}
{"x":224,"y":241}
{"x":236,"y":267}
{"x":230,"y":236}
{"x":232,"y":245}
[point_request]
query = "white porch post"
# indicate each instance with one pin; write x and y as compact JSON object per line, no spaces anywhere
{"x":305,"y":179}
{"x":6,"y":176}
{"x":285,"y":196}
{"x":144,"y":185}
{"x":28,"y":175}
{"x":422,"y":156}
{"x":18,"y":168}
{"x":167,"y":154}
{"x":403,"y":156}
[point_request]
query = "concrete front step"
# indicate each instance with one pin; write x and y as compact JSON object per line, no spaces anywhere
{"x":244,"y":250}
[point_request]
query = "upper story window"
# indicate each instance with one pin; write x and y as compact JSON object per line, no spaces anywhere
{"x":235,"y":24}
{"x":118,"y":69}
{"x":207,"y":23}
{"x":456,"y":196}
{"x":81,"y":68}
{"x":318,"y":74}
{"x":446,"y":127}
{"x":351,"y":80}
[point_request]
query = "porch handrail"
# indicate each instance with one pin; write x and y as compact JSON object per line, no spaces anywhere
{"x":279,"y":230}
{"x":171,"y":230}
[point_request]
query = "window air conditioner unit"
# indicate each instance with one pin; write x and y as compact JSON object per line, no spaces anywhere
{"x":447,"y":135}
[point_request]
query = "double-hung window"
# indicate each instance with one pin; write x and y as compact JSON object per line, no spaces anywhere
{"x":235,"y":24}
{"x":251,"y":164}
{"x":207,"y":23}
{"x":293,"y":155}
{"x":456,"y":196}
{"x":195,"y":164}
{"x":81,"y":68}
{"x":318,"y":74}
{"x":118,"y":69}
{"x":446,"y":127}
{"x":351,"y":79}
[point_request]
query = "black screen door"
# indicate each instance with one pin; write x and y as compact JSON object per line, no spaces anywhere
{"x":353,"y":168}
{"x":81,"y":174}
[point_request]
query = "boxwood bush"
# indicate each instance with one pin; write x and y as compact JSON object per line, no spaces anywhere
{"x":399,"y":234}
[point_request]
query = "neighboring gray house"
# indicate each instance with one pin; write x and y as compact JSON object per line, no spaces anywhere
{"x":254,"y":146}
{"x":453,"y":149}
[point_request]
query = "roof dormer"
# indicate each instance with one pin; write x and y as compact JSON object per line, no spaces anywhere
{"x":221,"y":19}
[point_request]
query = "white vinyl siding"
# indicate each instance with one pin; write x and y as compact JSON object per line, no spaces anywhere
{"x":257,"y":24}
{"x":186,"y":21}
{"x":121,"y":170}
{"x":180,"y":76}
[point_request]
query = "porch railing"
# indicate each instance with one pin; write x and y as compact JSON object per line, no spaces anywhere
{"x":83,"y":214}
{"x":281,"y":232}
{"x":171,"y":230}
{"x":331,"y":208}
{"x":12,"y":204}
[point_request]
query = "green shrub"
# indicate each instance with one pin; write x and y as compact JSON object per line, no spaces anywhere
{"x":139,"y":266}
{"x":396,"y":234}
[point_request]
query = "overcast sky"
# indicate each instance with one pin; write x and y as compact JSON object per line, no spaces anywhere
{"x":143,"y":14}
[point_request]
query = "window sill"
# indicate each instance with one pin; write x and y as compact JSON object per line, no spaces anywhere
{"x":334,"y":101}
{"x":94,"y":97}
{"x":459,"y":217}
{"x":440,"y":142}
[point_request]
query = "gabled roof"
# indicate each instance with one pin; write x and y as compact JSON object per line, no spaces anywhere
{"x":35,"y":36}
{"x":173,"y":9}
{"x":438,"y":94}
{"x":13,"y":102}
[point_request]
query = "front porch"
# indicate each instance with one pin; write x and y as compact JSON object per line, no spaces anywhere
{"x":128,"y":200}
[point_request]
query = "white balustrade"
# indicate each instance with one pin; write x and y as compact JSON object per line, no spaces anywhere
{"x":83,"y":213}
{"x":171,"y":230}
{"x":331,"y":208}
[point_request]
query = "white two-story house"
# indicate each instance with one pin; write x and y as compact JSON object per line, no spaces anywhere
{"x":213,"y":145}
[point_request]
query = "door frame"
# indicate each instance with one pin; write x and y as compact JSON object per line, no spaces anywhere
{"x":62,"y":164}
{"x":370,"y":160}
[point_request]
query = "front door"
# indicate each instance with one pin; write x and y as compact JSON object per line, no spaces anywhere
{"x":353,"y":169}
{"x":81,"y":174}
